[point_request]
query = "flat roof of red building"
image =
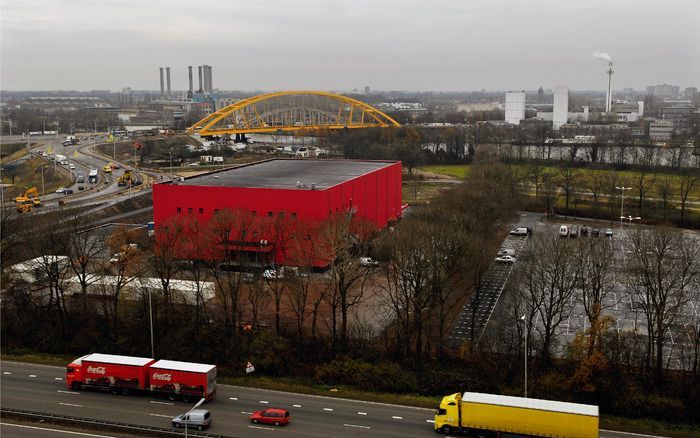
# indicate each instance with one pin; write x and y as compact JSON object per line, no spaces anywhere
{"x":288,"y":174}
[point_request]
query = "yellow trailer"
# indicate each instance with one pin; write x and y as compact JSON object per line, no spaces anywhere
{"x":489,"y":414}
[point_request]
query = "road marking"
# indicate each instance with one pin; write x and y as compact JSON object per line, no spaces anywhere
{"x":161,"y":403}
{"x":161,"y":415}
{"x":328,"y":409}
{"x":355,"y":425}
{"x":296,"y":406}
{"x":6,"y":372}
{"x":246,"y":413}
{"x":73,"y":433}
{"x":362,"y":413}
{"x":233,"y":398}
{"x":262,"y":428}
{"x":264,"y":402}
{"x":71,"y":404}
{"x":630,"y":433}
{"x":32,"y":375}
{"x":68,"y":392}
{"x":58,"y":378}
{"x":397,"y":418}
{"x":430,"y":421}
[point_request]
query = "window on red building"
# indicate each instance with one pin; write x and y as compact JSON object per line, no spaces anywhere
{"x":179,"y":209}
{"x":201,"y":210}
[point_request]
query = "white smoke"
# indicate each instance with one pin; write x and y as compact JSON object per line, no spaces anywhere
{"x":602,"y":55}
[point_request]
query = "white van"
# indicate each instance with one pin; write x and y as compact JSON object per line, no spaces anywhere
{"x":564,"y":231}
{"x":520,"y":231}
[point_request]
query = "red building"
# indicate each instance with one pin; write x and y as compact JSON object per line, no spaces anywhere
{"x":282,"y":194}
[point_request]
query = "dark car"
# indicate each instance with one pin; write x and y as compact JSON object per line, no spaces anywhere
{"x":68,"y":191}
{"x":278,"y":417}
{"x":81,"y":187}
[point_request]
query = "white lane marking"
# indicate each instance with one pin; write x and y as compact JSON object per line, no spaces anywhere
{"x":430,"y":421}
{"x":233,"y":398}
{"x":71,"y":404}
{"x":631,"y":433}
{"x":296,"y":406}
{"x":72,"y":433}
{"x":262,"y":428}
{"x":361,"y":413}
{"x":58,"y":378}
{"x":358,"y":426}
{"x":161,"y":415}
{"x":296,"y":394}
{"x":35,"y":364}
{"x":264,"y":402}
{"x":397,"y":418}
{"x":68,"y":392}
{"x":246,"y":413}
{"x":161,"y":403}
{"x":328,"y":409}
{"x":32,"y":375}
{"x":6,"y":373}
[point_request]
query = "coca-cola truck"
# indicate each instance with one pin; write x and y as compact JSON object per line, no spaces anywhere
{"x":127,"y":375}
{"x":185,"y":380}
{"x":117,"y":374}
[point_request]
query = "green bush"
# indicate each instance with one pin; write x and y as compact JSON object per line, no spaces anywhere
{"x":384,"y":376}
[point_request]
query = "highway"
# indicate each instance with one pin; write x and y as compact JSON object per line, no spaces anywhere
{"x":41,"y":388}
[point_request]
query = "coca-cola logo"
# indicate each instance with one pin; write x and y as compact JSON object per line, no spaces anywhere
{"x":163,"y":376}
{"x":97,"y":370}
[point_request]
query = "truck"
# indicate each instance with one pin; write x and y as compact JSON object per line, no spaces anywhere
{"x":138,"y":375}
{"x":62,"y":159}
{"x":189,"y":381}
{"x":92,"y":176}
{"x":30,"y":198}
{"x":126,"y":179}
{"x":488,"y":414}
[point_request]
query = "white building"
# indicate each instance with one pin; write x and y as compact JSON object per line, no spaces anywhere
{"x":627,"y":112}
{"x":660,"y":131}
{"x":515,"y":107}
{"x":561,"y":106}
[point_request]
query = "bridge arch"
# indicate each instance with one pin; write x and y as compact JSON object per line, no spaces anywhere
{"x":292,"y":111}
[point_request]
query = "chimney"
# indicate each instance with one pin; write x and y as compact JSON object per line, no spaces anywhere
{"x":162,"y":88}
{"x":189,"y":68}
{"x":608,"y":100}
{"x":167,"y":78}
{"x":200,"y":78}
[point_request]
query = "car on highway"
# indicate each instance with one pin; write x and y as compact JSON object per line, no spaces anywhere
{"x":81,"y":188}
{"x":608,"y":232}
{"x":196,"y":418}
{"x":278,"y":417}
{"x":61,"y":190}
{"x":71,"y":167}
{"x":505,"y":259}
{"x":273,"y":274}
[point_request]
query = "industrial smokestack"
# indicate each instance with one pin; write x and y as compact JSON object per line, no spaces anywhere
{"x":189,"y":68}
{"x":200,"y":78}
{"x":608,"y":99}
{"x":162,"y":87}
{"x":167,"y":78}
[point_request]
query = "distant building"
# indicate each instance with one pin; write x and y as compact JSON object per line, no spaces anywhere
{"x":691,"y":92}
{"x":682,"y":117}
{"x":473,"y":107}
{"x":366,"y":90}
{"x":561,"y":106}
{"x":540,"y":95}
{"x":660,"y":130}
{"x":629,"y":112}
{"x":515,"y":107}
{"x":663,"y":90}
{"x":601,"y":132}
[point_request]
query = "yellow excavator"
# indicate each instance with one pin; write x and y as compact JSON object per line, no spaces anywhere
{"x":126,"y":179}
{"x":27,"y":200}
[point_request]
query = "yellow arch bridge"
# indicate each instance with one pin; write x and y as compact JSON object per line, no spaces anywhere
{"x":292,"y":111}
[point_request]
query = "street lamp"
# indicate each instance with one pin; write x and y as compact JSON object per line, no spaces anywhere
{"x":522,"y":318}
{"x":630,"y":218}
{"x":622,"y":203}
{"x":43,"y":190}
{"x":187,"y":415}
{"x":150,"y":322}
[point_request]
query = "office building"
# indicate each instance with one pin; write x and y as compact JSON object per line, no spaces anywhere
{"x":561,"y":106}
{"x":515,"y":107}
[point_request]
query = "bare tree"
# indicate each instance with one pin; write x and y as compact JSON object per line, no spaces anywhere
{"x":643,"y":183}
{"x":661,"y":269}
{"x":688,"y":180}
{"x":595,"y":183}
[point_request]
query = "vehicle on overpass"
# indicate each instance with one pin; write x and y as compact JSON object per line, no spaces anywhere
{"x":30,"y":198}
{"x":107,"y":168}
{"x":485,"y":414}
{"x":126,"y":179}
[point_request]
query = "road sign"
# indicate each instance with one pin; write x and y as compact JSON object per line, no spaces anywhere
{"x":249,"y":368}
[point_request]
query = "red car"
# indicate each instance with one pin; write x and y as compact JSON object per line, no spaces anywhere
{"x":278,"y":417}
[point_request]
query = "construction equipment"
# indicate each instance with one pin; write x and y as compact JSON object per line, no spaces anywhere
{"x":126,"y":179}
{"x":27,"y":200}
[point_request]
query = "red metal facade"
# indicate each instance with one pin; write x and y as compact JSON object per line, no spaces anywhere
{"x":374,"y":196}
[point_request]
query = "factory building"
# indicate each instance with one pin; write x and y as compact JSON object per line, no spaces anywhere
{"x":280,"y":206}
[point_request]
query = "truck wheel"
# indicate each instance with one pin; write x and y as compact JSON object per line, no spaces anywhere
{"x":171,"y":397}
{"x":76,"y":386}
{"x":446,"y":429}
{"x":186,"y":398}
{"x":114,"y":390}
{"x":126,"y":391}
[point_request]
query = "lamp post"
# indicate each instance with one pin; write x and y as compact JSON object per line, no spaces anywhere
{"x":43,"y":190}
{"x":187,"y":415}
{"x":522,"y":318}
{"x":622,"y":202}
{"x":150,"y":322}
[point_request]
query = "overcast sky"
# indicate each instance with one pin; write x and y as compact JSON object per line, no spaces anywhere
{"x":440,"y":45}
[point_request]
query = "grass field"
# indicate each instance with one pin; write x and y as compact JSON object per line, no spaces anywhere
{"x":460,"y":171}
{"x":28,"y":174}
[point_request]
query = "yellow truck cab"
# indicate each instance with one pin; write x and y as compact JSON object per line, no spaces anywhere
{"x":107,"y":168}
{"x":489,"y":414}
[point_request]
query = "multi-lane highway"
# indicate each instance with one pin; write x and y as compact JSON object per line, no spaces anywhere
{"x":41,"y":388}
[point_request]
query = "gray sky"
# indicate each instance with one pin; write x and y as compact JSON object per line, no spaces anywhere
{"x":436,"y":45}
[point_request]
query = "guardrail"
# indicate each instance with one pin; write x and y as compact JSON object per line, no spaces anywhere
{"x":138,"y":429}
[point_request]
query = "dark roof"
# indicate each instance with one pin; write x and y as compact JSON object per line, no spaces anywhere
{"x":285,"y":173}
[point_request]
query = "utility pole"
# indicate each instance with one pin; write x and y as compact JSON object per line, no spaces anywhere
{"x":622,"y":203}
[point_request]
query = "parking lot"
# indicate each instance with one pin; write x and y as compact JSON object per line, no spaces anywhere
{"x":622,"y":305}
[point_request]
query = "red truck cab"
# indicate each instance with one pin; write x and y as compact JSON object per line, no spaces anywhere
{"x":74,"y":376}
